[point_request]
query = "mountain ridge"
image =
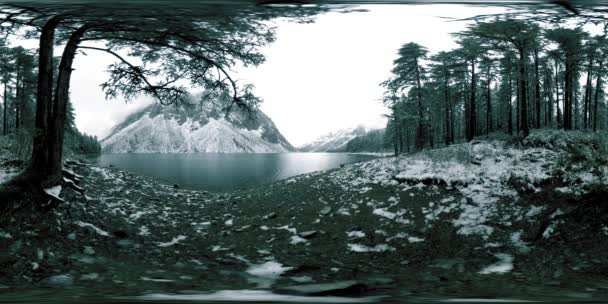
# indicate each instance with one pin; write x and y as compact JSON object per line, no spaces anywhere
{"x":205,"y":127}
{"x":336,"y":141}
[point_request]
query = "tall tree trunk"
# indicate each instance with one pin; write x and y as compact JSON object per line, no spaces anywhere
{"x":39,"y":165}
{"x":446,"y":91}
{"x":489,"y":106}
{"x":18,"y":93}
{"x":549,"y":90}
{"x":472,"y":111}
{"x":537,"y":88}
{"x":407,"y":138}
{"x":57,"y":126}
{"x":568,"y":97}
{"x":452,"y":124}
{"x":510,"y":118}
{"x":524,"y":104}
{"x":558,"y":116}
{"x":466,"y":110}
{"x":598,"y":88}
{"x":5,"y":109}
{"x":587,"y":97}
{"x":419,"y":130}
{"x":395,"y":136}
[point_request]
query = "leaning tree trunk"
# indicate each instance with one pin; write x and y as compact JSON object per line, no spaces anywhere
{"x":57,"y":126}
{"x":39,"y":164}
{"x":598,"y":87}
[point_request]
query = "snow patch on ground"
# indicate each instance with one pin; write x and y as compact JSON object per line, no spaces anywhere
{"x":267,"y":273}
{"x":97,"y":230}
{"x":7,"y":174}
{"x":258,"y":296}
{"x":364,"y":248}
{"x":54,"y":191}
{"x":483,"y":172}
{"x":504,"y":265}
{"x":174,"y":241}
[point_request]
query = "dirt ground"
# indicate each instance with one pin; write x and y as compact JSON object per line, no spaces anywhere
{"x":131,"y":235}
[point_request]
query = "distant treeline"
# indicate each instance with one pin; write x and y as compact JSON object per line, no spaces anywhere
{"x":372,"y":141}
{"x":506,"y":75}
{"x":18,"y":78}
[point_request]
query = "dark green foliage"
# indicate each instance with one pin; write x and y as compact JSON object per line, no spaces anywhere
{"x":507,"y":75}
{"x":372,"y":141}
{"x":75,"y":141}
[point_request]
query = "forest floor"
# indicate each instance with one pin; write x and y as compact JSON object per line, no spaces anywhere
{"x":489,"y":220}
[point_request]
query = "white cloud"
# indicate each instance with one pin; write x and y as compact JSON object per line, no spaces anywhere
{"x":318,"y":77}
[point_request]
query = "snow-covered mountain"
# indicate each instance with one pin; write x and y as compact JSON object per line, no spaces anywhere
{"x":335,"y":141}
{"x":200,"y":128}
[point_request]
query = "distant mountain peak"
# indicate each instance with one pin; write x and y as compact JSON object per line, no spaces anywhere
{"x":204,"y":127}
{"x":335,"y":141}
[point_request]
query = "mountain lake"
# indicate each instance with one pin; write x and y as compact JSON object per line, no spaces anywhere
{"x":226,"y":171}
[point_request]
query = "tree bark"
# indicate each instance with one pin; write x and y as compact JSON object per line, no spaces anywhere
{"x":472,"y":113}
{"x":419,"y":130}
{"x":446,"y":89}
{"x":39,"y":164}
{"x":510,"y":118}
{"x":57,"y":126}
{"x":489,"y":105}
{"x":18,"y":93}
{"x":549,"y":90}
{"x":567,"y":98}
{"x":525,"y":129}
{"x":5,"y":109}
{"x":598,"y":87}
{"x":587,"y":97}
{"x":537,"y":91}
{"x":559,"y":117}
{"x":395,"y":136}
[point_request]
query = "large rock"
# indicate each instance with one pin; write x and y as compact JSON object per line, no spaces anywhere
{"x":341,"y":288}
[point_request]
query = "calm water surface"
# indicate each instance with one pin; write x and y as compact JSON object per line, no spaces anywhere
{"x":224,"y":172}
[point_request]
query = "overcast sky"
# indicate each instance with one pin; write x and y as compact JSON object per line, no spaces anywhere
{"x":318,"y":77}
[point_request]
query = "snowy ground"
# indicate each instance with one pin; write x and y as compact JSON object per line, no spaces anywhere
{"x":461,"y":220}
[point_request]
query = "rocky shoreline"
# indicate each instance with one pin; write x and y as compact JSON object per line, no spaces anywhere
{"x":343,"y":235}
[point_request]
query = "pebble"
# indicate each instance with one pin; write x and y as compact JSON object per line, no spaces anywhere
{"x":71,"y":236}
{"x":90,"y":276}
{"x":326,"y":210}
{"x":270,"y":215}
{"x":88,"y":250}
{"x":337,"y":288}
{"x":308,"y":234}
{"x":61,"y":280}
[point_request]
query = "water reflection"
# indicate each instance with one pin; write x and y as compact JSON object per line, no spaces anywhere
{"x":224,"y":172}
